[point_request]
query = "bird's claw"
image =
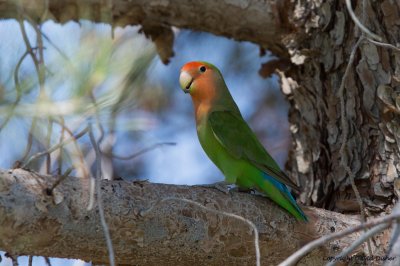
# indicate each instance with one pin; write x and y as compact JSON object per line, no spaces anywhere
{"x":245,"y":190}
{"x":221,"y":186}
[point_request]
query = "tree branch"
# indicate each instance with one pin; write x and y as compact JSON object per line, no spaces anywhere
{"x":147,"y":230}
{"x":261,"y":22}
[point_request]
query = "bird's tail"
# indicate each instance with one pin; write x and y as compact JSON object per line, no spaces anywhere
{"x":279,"y":193}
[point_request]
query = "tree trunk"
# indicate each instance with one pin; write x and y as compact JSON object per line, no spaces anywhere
{"x":367,"y":140}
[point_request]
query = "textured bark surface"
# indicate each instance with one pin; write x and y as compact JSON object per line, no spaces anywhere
{"x":261,"y":22}
{"x":172,"y":233}
{"x":371,"y":117}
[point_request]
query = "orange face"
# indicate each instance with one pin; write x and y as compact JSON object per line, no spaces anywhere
{"x":190,"y":74}
{"x":199,"y":80}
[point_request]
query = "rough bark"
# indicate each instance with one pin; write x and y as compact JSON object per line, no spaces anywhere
{"x":370,"y":130}
{"x":172,"y":233}
{"x":261,"y":22}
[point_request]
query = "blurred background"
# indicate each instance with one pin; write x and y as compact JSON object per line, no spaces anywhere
{"x":57,"y":82}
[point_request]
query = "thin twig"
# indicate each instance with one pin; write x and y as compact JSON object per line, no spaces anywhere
{"x":28,"y":45}
{"x":345,"y":127}
{"x":295,"y":257}
{"x":60,"y":157}
{"x":341,"y":96}
{"x":136,"y":154}
{"x":368,"y":234}
{"x":47,"y":260}
{"x":232,"y":215}
{"x":61,"y":52}
{"x":17,"y":88}
{"x":97,"y":115}
{"x":359,"y":24}
{"x":30,"y":140}
{"x":82,"y":166}
{"x":48,"y":142}
{"x":55,"y":147}
{"x":99,"y":154}
{"x":394,"y":243}
{"x":14,"y":261}
{"x":12,"y":258}
{"x":386,"y":45}
{"x":100,"y":200}
{"x":395,"y":236}
{"x":92,"y":188}
{"x":59,"y":180}
{"x":39,"y":70}
{"x":342,"y":106}
{"x":360,"y":202}
{"x":39,"y":62}
{"x":30,"y":261}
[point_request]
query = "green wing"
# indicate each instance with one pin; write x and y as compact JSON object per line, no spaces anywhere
{"x":235,"y":135}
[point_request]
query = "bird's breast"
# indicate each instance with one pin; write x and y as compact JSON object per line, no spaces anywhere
{"x":202,"y":111}
{"x":216,"y":152}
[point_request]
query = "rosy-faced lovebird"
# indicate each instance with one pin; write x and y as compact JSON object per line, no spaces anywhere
{"x":228,"y":140}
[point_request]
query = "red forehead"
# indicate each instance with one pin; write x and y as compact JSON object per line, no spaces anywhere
{"x":192,"y":65}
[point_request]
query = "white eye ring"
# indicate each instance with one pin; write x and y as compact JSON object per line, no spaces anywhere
{"x":202,"y":69}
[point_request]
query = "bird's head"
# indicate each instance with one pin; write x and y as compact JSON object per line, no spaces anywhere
{"x":200,"y":79}
{"x":205,"y":84}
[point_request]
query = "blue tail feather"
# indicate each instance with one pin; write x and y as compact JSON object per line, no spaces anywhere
{"x":283,"y":188}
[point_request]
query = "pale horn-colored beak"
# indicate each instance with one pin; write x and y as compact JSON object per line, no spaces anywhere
{"x":185,"y":80}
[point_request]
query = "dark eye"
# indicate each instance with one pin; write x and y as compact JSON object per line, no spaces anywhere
{"x":203,"y":69}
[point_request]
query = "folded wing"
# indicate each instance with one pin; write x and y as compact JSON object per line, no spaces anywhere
{"x":240,"y":141}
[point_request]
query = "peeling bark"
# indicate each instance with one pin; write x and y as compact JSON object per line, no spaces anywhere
{"x":172,"y":233}
{"x":373,"y":136}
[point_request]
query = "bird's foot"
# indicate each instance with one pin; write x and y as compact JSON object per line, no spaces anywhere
{"x":244,"y":190}
{"x":221,"y":186}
